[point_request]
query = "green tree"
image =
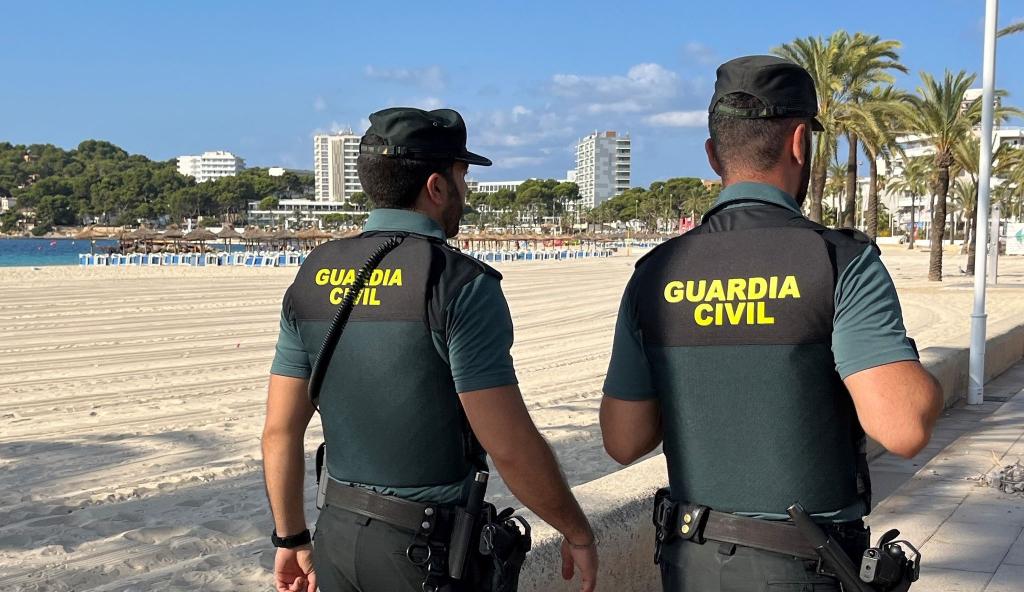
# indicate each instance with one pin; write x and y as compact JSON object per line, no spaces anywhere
{"x":915,"y":181}
{"x":269,"y":203}
{"x":938,"y":113}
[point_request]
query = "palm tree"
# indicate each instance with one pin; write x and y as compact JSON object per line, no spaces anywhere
{"x":880,"y":108}
{"x":916,"y":181}
{"x":867,"y":63}
{"x":1011,"y":29}
{"x":939,"y":114}
{"x":822,"y":59}
{"x":843,"y":68}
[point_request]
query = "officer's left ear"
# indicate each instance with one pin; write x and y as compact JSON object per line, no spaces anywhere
{"x":800,"y":146}
{"x":437,"y":189}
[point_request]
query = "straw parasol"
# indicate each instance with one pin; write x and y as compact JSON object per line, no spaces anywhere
{"x":254,"y":234}
{"x":201,"y":235}
{"x":313,"y":235}
{"x":174,"y":233}
{"x":284,"y":235}
{"x":228,"y":232}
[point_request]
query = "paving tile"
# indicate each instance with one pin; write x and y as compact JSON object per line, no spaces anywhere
{"x":1016,"y":554}
{"x":979,"y":558}
{"x":917,"y":528}
{"x":992,"y":508}
{"x":1009,"y":578}
{"x":977,"y":533}
{"x":943,"y":505}
{"x":933,"y":485}
{"x":949,"y":580}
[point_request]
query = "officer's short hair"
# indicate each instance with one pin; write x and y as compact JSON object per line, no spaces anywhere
{"x":393,"y":182}
{"x":748,"y":143}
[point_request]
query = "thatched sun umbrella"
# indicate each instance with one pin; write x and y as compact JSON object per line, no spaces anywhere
{"x":254,"y":235}
{"x":314,"y":236}
{"x":175,"y":234}
{"x":201,"y":235}
{"x":228,"y":232}
{"x":284,"y":235}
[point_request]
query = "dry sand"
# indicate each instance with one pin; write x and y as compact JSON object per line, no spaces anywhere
{"x":131,"y":403}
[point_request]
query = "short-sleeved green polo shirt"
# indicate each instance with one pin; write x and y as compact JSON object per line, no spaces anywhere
{"x":476,"y":343}
{"x":868,"y":328}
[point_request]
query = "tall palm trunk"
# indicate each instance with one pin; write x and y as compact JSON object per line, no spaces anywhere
{"x":938,"y":226}
{"x":818,"y":174}
{"x":872,"y":218}
{"x":849,"y":218}
{"x":913,"y":223}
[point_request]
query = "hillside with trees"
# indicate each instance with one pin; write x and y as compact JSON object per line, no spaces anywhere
{"x":100,"y":182}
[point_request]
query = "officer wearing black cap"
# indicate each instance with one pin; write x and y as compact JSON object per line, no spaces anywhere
{"x":758,"y":349}
{"x":414,"y":389}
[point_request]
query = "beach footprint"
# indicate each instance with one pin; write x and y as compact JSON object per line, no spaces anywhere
{"x":155,"y":535}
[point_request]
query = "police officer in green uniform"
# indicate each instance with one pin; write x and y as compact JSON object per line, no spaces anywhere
{"x":758,"y":349}
{"x":420,"y":378}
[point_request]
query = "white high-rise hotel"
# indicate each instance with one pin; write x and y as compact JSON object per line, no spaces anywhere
{"x":602,"y":167}
{"x":210,"y":165}
{"x":334,"y":166}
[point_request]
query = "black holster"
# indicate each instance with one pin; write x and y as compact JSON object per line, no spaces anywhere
{"x":494,"y":563}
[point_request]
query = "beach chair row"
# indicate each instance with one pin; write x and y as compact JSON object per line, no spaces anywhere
{"x":526,"y":255}
{"x":252,"y":259}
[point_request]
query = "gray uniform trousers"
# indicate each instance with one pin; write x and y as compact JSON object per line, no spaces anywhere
{"x":722,"y":567}
{"x":352,"y":553}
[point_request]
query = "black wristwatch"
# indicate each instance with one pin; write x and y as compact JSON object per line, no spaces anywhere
{"x":290,"y":542}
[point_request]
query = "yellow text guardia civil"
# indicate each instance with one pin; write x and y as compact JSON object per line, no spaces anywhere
{"x":732,"y":301}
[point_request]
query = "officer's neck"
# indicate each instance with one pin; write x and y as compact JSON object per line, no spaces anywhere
{"x":775,"y":177}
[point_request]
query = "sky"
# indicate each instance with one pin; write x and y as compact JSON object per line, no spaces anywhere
{"x":260,"y":78}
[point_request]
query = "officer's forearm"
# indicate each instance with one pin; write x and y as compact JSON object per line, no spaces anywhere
{"x":283,"y":468}
{"x":533,"y":476}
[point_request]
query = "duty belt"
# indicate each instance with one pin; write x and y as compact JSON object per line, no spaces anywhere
{"x":404,"y":514}
{"x":697,"y":523}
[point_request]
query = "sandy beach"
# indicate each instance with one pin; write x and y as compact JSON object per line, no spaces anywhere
{"x":131,"y":404}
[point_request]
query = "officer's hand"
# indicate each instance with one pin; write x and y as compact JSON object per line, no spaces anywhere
{"x":293,"y":570}
{"x":584,"y":559}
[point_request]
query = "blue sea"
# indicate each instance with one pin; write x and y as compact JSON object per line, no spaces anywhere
{"x":19,"y":252}
{"x":23,"y":252}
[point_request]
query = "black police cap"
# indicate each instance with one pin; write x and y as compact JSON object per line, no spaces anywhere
{"x":421,"y":135}
{"x":785,"y":89}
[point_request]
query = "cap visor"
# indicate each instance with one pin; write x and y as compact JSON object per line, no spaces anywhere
{"x":816,"y":125}
{"x":476,"y":159}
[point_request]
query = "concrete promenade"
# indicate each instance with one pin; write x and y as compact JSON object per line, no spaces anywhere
{"x":972,"y":537}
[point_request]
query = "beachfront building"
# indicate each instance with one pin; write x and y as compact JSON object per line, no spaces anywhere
{"x":297,"y":212}
{"x":603,"y":164}
{"x":209,"y":166}
{"x":334,"y":166}
{"x":492,"y":186}
{"x":912,"y":146}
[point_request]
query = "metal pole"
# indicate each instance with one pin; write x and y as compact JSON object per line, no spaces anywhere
{"x":976,"y":384}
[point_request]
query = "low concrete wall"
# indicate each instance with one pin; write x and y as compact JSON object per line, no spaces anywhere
{"x":620,"y":505}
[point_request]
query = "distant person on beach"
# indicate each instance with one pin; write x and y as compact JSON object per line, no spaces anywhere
{"x":759,"y":348}
{"x":419,"y":390}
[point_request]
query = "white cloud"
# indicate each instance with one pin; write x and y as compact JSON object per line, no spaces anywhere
{"x":431,"y":78}
{"x":678,"y":119}
{"x":703,"y":55}
{"x":641,"y":82}
{"x":626,"y":106}
{"x":319,"y":104}
{"x":514,"y":162}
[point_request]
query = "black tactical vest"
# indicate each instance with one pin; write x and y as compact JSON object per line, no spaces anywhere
{"x":388,"y":405}
{"x":736,"y":320}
